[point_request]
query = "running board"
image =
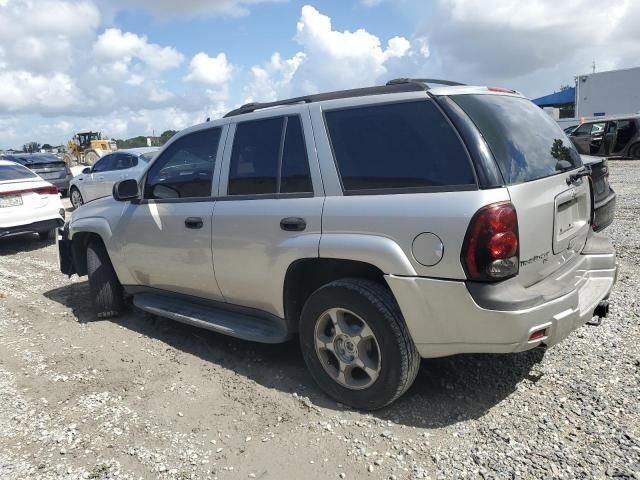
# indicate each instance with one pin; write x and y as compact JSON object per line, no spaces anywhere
{"x":267,"y":329}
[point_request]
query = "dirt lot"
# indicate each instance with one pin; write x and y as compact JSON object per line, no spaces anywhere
{"x":139,"y":397}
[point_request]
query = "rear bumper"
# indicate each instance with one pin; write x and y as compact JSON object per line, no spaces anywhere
{"x":35,"y":227}
{"x":444,"y":318}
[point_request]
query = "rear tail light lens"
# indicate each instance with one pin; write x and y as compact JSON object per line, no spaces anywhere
{"x":491,"y":246}
{"x":50,"y":190}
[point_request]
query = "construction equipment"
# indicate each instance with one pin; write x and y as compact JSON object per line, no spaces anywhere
{"x":87,"y":148}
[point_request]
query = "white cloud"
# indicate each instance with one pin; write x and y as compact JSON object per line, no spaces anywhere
{"x":115,"y":44}
{"x":22,"y":91}
{"x":371,"y":3}
{"x":272,"y":78}
{"x":209,"y":70}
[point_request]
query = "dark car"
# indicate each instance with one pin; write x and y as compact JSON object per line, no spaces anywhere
{"x":602,"y":195}
{"x":48,"y":166}
{"x":609,"y":137}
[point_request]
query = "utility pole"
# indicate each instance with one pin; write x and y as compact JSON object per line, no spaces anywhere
{"x":593,"y":66}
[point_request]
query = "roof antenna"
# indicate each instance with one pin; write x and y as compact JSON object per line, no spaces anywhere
{"x":208,"y":119}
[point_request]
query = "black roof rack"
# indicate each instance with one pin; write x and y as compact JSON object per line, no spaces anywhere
{"x":426,"y":81}
{"x":398,"y":85}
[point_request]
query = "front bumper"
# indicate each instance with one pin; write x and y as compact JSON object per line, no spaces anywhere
{"x":444,"y":318}
{"x":35,"y":227}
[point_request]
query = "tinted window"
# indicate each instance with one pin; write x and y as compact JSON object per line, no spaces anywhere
{"x":295,"y":164}
{"x":106,"y":163}
{"x":254,"y":158}
{"x":402,"y":145}
{"x":185,"y":168}
{"x":584,"y":129}
{"x":526,"y":142}
{"x":15,"y":172}
{"x":124,"y":161}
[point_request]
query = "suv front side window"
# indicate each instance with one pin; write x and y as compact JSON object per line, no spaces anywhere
{"x":269,"y":157}
{"x":185,"y":168}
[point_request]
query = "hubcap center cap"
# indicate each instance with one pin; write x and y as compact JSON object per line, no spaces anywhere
{"x":345,"y":348}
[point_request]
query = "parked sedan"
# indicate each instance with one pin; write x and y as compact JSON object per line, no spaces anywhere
{"x":47,"y":166}
{"x":28,"y":204}
{"x":97,"y":181}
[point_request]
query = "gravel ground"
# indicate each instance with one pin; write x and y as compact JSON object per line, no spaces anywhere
{"x":139,"y":397}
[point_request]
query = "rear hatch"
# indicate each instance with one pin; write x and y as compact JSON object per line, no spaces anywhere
{"x":49,"y":167}
{"x":538,"y":163}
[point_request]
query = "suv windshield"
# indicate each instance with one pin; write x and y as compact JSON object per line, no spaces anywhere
{"x":526,"y":142}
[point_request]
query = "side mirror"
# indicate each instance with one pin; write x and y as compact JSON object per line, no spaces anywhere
{"x":86,"y":170}
{"x":125,"y":190}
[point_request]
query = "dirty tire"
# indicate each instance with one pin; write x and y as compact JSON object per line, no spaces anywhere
{"x":634,"y":151}
{"x":104,"y":288}
{"x":91,"y":157}
{"x":46,"y":235}
{"x":399,"y":359}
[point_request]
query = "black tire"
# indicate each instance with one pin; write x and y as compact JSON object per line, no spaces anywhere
{"x":104,"y":288}
{"x":399,"y":359}
{"x":46,"y":236}
{"x":634,"y":151}
{"x":74,"y":191}
{"x":64,"y":193}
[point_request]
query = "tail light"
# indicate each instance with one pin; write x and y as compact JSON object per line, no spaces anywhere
{"x":491,"y":246}
{"x":49,"y":190}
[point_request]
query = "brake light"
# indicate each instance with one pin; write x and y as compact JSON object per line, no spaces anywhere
{"x":49,"y":190}
{"x":501,"y":90}
{"x":491,"y":246}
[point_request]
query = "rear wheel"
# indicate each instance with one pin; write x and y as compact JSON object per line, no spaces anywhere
{"x":104,"y":287}
{"x":356,"y":344}
{"x":76,"y":198}
{"x":634,"y":151}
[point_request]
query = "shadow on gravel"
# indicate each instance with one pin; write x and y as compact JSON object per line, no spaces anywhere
{"x":22,"y":243}
{"x":446,"y":391}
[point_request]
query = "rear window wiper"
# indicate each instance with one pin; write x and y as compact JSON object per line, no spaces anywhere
{"x":574,"y":177}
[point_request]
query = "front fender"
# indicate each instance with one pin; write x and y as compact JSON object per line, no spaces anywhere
{"x":382,"y":252}
{"x":95,"y":225}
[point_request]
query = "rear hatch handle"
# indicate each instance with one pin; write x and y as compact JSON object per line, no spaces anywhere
{"x":575,"y":177}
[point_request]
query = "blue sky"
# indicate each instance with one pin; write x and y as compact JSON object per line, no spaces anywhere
{"x":133,"y":67}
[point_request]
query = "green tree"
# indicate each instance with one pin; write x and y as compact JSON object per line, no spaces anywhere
{"x":166,"y":136}
{"x":31,"y":147}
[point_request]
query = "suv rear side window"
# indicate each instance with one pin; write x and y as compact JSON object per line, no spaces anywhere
{"x":185,"y":168}
{"x":397,"y":146}
{"x":526,"y":142}
{"x":269,"y":157}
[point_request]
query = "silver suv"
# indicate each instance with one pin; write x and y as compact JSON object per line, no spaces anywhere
{"x":379,"y":225}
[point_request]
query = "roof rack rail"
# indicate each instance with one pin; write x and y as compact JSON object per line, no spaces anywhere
{"x":319,"y":97}
{"x":426,"y":81}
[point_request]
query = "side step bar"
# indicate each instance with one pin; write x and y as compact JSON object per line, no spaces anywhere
{"x":267,"y":329}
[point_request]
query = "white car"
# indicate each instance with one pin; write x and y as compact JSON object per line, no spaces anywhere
{"x":97,"y":181}
{"x":28,"y":204}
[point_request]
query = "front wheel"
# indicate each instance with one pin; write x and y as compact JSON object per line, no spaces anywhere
{"x":104,"y":287}
{"x":76,"y":198}
{"x":46,"y":235}
{"x":356,"y":344}
{"x":91,"y":157}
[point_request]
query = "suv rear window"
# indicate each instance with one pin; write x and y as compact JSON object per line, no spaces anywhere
{"x":408,"y":145}
{"x":526,"y":142}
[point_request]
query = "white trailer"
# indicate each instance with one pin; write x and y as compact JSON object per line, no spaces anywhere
{"x":601,"y":94}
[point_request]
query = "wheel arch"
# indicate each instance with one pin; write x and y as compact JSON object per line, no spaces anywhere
{"x":305,"y":276}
